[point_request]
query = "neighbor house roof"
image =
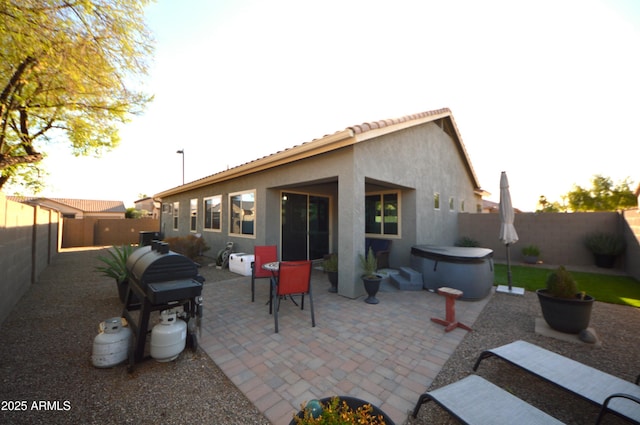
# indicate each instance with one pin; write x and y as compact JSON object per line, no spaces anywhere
{"x":85,"y":205}
{"x":347,"y":137}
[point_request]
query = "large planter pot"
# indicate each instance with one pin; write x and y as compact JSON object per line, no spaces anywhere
{"x":530,"y":259}
{"x":372,"y":286}
{"x":568,"y":315}
{"x":605,"y":261}
{"x":333,"y":280}
{"x":354,"y":404}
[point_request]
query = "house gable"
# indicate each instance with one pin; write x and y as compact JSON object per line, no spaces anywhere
{"x":348,"y":137}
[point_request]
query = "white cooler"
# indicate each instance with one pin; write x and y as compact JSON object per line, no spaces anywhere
{"x":240,"y":263}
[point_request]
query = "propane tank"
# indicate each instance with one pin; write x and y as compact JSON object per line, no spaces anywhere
{"x":111,"y":345}
{"x":169,"y":337}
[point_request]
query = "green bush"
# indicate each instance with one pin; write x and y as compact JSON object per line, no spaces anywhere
{"x":467,"y":242}
{"x":560,"y":284}
{"x":190,"y":246}
{"x":531,"y":251}
{"x":604,"y":243}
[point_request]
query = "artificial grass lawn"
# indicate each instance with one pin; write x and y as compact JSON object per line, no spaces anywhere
{"x":623,"y":290}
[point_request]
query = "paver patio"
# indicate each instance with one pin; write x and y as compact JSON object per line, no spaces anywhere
{"x":387,"y":354}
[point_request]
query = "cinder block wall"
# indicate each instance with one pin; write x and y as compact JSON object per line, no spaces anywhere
{"x":558,"y":235}
{"x":28,"y":243}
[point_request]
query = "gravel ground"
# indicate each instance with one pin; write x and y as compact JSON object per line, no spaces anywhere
{"x":507,"y":318}
{"x":46,"y":344}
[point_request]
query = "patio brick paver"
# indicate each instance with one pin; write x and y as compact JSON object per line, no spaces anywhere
{"x":387,"y":354}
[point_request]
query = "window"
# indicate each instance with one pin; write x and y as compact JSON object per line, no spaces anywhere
{"x":193,"y":209}
{"x":462,"y":205}
{"x":436,"y":201}
{"x":213,"y":213}
{"x":176,"y":207}
{"x":242,"y":208}
{"x":451,"y":204}
{"x":381,"y":213}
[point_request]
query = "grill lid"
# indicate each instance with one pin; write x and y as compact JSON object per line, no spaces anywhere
{"x":156,"y":263}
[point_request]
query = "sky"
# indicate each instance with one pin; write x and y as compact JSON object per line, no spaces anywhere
{"x":546,"y":90}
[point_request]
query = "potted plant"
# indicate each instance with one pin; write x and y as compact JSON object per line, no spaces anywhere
{"x":530,"y":254}
{"x":330,"y":267}
{"x":340,"y":410}
{"x":605,"y":248}
{"x":370,"y":278}
{"x":116,"y":267}
{"x":563,"y":307}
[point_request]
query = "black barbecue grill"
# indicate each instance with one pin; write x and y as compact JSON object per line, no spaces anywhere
{"x":161,"y":279}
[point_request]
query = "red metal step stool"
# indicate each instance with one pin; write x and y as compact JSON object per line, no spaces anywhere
{"x":450,"y":322}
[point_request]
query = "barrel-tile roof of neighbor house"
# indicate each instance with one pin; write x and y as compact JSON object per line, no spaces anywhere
{"x":347,"y":137}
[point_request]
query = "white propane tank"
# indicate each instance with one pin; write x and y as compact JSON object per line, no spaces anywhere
{"x":111,"y":345}
{"x":169,"y":337}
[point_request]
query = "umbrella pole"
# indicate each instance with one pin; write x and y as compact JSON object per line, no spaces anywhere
{"x":509,"y":267}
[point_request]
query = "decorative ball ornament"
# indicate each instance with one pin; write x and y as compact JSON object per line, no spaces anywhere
{"x":314,"y":407}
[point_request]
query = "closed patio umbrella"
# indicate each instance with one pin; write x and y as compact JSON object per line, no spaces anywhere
{"x":508,"y":234}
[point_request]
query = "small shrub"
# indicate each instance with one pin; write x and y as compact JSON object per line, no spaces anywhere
{"x":560,"y":284}
{"x":531,"y":251}
{"x":330,"y":263}
{"x":466,"y":241}
{"x":190,"y":246}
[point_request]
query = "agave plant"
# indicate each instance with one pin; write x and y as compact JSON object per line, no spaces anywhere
{"x":116,"y":263}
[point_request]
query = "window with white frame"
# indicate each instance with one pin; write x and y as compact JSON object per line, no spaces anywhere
{"x":193,"y":214}
{"x":452,"y":205}
{"x":176,"y":208}
{"x":436,"y":201}
{"x":382,"y":213}
{"x":462,"y":205}
{"x":242,"y":211}
{"x":213,"y":213}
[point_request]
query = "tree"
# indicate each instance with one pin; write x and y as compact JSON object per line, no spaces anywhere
{"x":603,"y":195}
{"x":65,"y":72}
{"x":545,"y":206}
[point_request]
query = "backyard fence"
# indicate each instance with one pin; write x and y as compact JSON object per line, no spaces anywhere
{"x":559,"y":236}
{"x":29,"y":239}
{"x":105,"y":231}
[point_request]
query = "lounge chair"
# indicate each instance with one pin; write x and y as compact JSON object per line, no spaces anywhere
{"x":610,"y":393}
{"x":474,"y":400}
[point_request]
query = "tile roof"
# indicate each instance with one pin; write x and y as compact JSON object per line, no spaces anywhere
{"x":350,"y":135}
{"x":369,"y":126}
{"x":85,"y":205}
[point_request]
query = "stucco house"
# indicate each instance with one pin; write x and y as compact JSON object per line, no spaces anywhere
{"x":403,"y":179}
{"x":147,"y":204}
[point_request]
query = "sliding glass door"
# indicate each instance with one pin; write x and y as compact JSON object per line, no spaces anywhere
{"x":305,"y":226}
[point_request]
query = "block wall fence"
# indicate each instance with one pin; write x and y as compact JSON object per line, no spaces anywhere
{"x":558,"y":235}
{"x":30,"y":238}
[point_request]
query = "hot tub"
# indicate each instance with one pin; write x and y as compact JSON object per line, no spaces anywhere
{"x":467,"y":269}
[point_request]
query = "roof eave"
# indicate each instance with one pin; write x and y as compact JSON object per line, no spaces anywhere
{"x":316,"y":147}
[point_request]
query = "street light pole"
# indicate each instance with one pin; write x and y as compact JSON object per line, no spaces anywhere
{"x":181,"y":152}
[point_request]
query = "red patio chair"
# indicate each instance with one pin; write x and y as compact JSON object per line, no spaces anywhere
{"x":294,"y":277}
{"x":262,"y":255}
